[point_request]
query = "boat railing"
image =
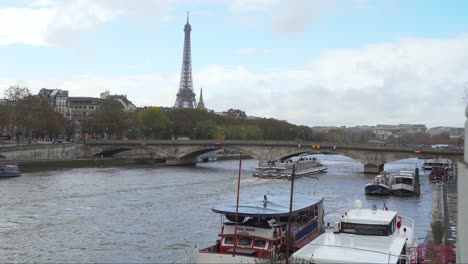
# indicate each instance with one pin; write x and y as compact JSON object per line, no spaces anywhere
{"x":407,"y":221}
{"x":308,"y":228}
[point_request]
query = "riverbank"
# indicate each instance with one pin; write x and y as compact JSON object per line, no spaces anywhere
{"x":36,"y":166}
{"x":42,"y":165}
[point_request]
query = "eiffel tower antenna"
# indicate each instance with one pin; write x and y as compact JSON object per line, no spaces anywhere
{"x":185,"y":95}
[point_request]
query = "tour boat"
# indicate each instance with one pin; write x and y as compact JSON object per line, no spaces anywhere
{"x":363,"y":236}
{"x":380,"y":185}
{"x":429,"y":164}
{"x":258,"y":229}
{"x":406,"y":183}
{"x":9,"y":171}
{"x":282,"y":169}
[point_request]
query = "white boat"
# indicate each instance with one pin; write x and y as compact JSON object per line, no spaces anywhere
{"x":430,"y":164}
{"x":262,"y":229}
{"x":406,"y":183}
{"x":9,"y":170}
{"x":380,"y":185}
{"x":282,"y":169}
{"x":363,"y":236}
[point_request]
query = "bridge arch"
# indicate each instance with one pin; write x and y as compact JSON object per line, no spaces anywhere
{"x":185,"y":152}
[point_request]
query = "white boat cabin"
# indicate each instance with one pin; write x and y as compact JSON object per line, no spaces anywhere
{"x":362,"y":236}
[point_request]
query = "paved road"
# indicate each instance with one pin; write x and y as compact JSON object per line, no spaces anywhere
{"x":450,"y":212}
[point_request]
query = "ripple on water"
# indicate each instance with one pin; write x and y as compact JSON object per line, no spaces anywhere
{"x":130,"y":215}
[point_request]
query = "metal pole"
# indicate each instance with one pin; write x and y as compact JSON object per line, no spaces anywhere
{"x":237,"y":206}
{"x":288,"y":234}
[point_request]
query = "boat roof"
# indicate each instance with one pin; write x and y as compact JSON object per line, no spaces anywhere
{"x":275,"y":206}
{"x":349,"y":248}
{"x":437,"y":161}
{"x":369,"y":216}
{"x":403,"y":176}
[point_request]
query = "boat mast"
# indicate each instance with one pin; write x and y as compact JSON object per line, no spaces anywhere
{"x":237,"y":206}
{"x":288,"y":234}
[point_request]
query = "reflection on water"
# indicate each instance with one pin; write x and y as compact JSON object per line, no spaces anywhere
{"x":135,"y":215}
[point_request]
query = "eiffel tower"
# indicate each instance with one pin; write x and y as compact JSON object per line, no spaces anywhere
{"x":185,"y":95}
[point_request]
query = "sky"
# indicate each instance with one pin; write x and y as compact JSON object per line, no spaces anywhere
{"x":309,"y":62}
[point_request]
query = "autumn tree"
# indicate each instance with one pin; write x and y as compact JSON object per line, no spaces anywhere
{"x":13,"y":95}
{"x":336,"y":135}
{"x":37,"y":119}
{"x":111,"y":119}
{"x":154,"y":122}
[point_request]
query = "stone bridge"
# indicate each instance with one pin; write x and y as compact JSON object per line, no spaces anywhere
{"x":185,"y":152}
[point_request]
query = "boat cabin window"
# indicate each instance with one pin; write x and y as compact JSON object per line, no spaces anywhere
{"x":260,"y":243}
{"x":404,"y":180}
{"x":228,"y":241}
{"x":393,"y":226}
{"x":365,"y":229}
{"x":303,"y":216}
{"x":245,"y":241}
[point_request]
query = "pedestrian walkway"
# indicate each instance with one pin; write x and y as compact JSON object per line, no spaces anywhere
{"x":450,"y":212}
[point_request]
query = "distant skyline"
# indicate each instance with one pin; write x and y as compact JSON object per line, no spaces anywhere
{"x":310,"y":62}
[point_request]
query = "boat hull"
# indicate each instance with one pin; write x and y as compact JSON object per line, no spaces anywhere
{"x":9,"y":175}
{"x":287,"y":175}
{"x":212,"y":257}
{"x":377,"y":189}
{"x":403,"y":190}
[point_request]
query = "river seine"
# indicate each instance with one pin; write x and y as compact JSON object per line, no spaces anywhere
{"x":159,"y":214}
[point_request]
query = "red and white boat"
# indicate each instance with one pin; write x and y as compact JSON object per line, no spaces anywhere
{"x":266,"y":228}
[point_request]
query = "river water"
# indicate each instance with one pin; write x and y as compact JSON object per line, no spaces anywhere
{"x":158,"y":214}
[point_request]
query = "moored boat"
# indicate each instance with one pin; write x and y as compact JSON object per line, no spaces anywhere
{"x":406,"y":183}
{"x":282,"y":169}
{"x":430,"y":164}
{"x":363,"y":236}
{"x":262,"y":229}
{"x":380,"y":185}
{"x":441,"y":175}
{"x":9,"y":170}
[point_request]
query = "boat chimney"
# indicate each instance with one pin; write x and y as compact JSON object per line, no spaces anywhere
{"x":265,"y":200}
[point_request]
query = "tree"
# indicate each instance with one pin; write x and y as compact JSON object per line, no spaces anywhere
{"x":111,"y":119}
{"x":442,"y":138}
{"x":37,"y":119}
{"x":5,"y":115}
{"x":15,"y":93}
{"x":206,"y":130}
{"x":154,"y":122}
{"x":88,"y":126}
{"x":336,"y":135}
{"x":70,"y":127}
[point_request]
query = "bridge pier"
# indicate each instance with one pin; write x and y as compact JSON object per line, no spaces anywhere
{"x":181,"y":161}
{"x":373,"y":168}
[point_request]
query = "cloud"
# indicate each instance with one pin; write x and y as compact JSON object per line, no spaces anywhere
{"x":24,"y":25}
{"x":407,"y":81}
{"x":254,"y":52}
{"x":58,"y":23}
{"x":142,"y":89}
{"x":242,"y":6}
{"x":295,"y":16}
